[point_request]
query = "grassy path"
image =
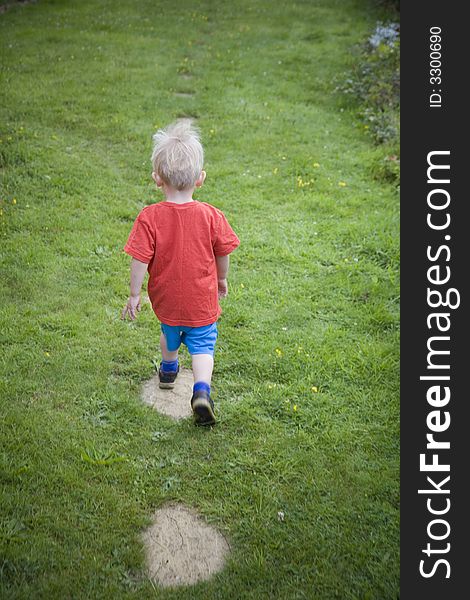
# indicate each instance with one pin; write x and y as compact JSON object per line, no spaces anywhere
{"x":306,"y":377}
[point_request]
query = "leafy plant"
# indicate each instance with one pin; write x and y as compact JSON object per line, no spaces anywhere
{"x":374,"y":82}
{"x":96,"y":457}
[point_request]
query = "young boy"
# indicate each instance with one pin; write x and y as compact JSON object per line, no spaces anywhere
{"x":184,"y":245}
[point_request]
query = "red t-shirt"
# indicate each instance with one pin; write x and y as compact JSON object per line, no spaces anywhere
{"x":180,"y":242}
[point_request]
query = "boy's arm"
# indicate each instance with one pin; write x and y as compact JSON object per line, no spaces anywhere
{"x":138,"y":270}
{"x":223,"y":263}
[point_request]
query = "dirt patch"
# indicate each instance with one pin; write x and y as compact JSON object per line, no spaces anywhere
{"x":175,"y":403}
{"x":181,"y":548}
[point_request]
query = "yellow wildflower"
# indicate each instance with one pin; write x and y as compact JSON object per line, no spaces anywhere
{"x":342,"y":184}
{"x":314,"y":389}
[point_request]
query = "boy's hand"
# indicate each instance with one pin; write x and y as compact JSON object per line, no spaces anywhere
{"x":223,"y":288}
{"x":131,"y":308}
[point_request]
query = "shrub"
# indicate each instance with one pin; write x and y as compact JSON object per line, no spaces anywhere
{"x":375,"y":82}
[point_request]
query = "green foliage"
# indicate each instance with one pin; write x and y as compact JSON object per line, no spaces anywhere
{"x":390,"y":5}
{"x":375,"y":83}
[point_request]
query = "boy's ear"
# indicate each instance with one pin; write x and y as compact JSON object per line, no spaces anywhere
{"x":158,"y":180}
{"x":200,"y":180}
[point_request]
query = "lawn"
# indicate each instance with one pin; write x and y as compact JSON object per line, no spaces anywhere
{"x":306,"y":380}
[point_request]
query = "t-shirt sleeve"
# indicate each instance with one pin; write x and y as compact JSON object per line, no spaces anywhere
{"x":141,"y":241}
{"x":225,"y":238}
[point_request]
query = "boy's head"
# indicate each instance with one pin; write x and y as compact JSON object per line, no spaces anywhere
{"x":178,"y":156}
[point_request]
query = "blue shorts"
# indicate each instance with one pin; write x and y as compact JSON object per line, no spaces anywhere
{"x":198,"y":340}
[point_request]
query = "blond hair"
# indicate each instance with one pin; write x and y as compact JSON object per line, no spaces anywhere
{"x":178,"y":155}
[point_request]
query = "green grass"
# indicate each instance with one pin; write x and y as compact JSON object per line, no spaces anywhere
{"x":313,"y":302}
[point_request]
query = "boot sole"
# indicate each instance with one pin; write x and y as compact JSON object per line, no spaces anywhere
{"x":203,"y":413}
{"x":166,"y":386}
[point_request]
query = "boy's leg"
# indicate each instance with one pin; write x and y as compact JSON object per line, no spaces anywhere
{"x":203,"y":365}
{"x":200,"y":342}
{"x":169,"y":366}
{"x":201,"y":401}
{"x":167,"y":355}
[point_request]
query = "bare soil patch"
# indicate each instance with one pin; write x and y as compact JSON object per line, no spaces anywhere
{"x":181,"y":548}
{"x":175,"y":403}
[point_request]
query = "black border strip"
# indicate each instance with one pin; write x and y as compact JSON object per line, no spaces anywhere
{"x":429,"y":127}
